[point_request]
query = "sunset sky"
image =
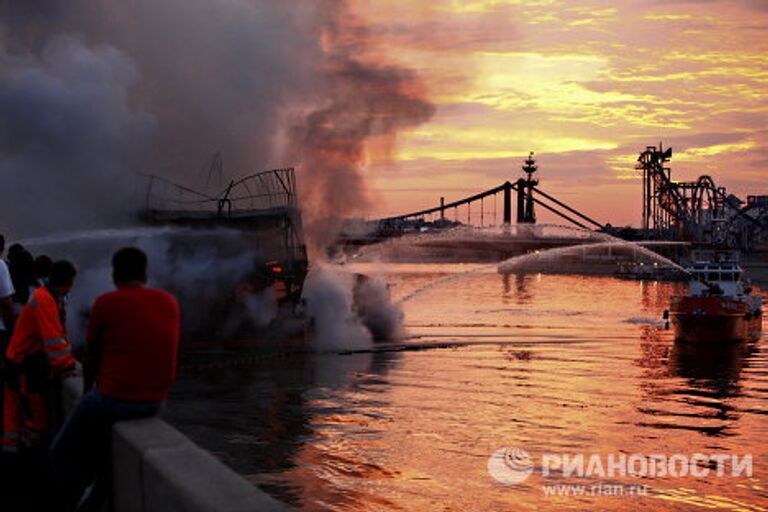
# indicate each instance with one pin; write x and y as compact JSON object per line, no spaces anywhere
{"x":586,"y":85}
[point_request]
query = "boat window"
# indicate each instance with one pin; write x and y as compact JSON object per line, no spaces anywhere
{"x":727,"y":276}
{"x":713,"y":276}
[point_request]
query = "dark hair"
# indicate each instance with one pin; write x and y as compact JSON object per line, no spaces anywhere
{"x":14,"y":250}
{"x":63,"y":273}
{"x":129,"y":264}
{"x":43,"y":266}
{"x":22,"y":270}
{"x":2,"y":244}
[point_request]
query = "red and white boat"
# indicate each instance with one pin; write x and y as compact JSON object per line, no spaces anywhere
{"x":719,"y":305}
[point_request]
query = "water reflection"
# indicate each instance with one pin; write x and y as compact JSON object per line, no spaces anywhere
{"x":690,"y":386}
{"x":521,"y":292}
{"x":717,"y":366}
{"x":552,"y":363}
{"x":260,"y":417}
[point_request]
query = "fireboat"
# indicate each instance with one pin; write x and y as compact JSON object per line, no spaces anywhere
{"x":719,"y":306}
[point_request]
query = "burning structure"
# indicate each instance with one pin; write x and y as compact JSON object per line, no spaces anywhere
{"x":263,"y":205}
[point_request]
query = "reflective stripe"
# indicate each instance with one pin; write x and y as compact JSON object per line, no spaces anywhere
{"x":31,"y":436}
{"x":53,"y":341}
{"x":59,"y":353}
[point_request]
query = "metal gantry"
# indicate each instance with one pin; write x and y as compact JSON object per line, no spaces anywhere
{"x":699,"y":210}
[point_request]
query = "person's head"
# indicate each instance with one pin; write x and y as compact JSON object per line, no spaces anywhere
{"x":62,"y":277}
{"x":23,"y":265}
{"x":43,"y":265}
{"x":2,"y":245}
{"x":129,"y":267}
{"x":14,"y":251}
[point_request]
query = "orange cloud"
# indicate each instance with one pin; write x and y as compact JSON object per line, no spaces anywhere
{"x":593,"y":83}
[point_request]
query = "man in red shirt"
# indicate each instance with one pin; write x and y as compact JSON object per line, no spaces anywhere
{"x":131,"y":354}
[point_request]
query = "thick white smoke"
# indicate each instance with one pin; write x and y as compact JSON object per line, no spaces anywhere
{"x":348,"y":311}
{"x":204,"y":269}
{"x":329,"y":306}
{"x":68,"y":137}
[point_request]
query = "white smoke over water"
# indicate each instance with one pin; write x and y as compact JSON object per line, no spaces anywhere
{"x":349,"y":311}
{"x":334,"y":325}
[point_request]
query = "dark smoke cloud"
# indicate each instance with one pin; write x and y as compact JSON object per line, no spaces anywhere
{"x":93,"y":91}
{"x":362,"y":98}
{"x":217,"y":76}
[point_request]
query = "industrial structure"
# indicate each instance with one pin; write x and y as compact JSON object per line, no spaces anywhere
{"x":697,"y":211}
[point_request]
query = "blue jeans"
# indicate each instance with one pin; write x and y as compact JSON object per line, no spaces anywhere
{"x":80,"y":453}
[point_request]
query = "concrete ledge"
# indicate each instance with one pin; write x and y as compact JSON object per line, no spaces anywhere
{"x":155,"y":468}
{"x":159,"y":469}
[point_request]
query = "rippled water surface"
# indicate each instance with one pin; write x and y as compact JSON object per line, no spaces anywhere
{"x":549,"y":364}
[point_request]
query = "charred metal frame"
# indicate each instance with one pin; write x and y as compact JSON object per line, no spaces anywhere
{"x":257,"y":200}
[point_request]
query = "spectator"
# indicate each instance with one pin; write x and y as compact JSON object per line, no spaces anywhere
{"x":14,"y":250}
{"x":37,"y":354}
{"x":131,"y":352}
{"x":6,"y":301}
{"x":22,"y":269}
{"x":6,"y":324}
{"x":42,"y":269}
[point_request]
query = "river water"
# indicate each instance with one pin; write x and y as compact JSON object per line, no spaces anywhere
{"x":554,"y":365}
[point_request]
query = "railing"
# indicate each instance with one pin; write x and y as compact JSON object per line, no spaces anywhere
{"x":262,"y":191}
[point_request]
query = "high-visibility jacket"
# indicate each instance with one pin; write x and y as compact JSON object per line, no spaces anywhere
{"x":39,"y":328}
{"x":37,"y":353}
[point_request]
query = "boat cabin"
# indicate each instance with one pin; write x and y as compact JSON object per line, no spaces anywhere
{"x":710,"y":278}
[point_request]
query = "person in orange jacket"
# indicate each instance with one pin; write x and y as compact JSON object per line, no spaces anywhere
{"x":37,"y":354}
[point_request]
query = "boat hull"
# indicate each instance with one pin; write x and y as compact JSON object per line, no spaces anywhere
{"x":715,"y":319}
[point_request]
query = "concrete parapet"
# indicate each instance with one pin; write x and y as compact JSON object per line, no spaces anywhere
{"x":156,"y":468}
{"x":160,"y":469}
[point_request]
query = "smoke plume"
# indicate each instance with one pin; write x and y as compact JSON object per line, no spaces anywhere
{"x":362,"y":98}
{"x":94,"y":91}
{"x":68,"y":139}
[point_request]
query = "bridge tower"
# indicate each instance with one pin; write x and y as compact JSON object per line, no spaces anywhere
{"x":525,"y":203}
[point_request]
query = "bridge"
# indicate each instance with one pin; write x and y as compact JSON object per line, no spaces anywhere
{"x":527,"y":192}
{"x":697,"y":211}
